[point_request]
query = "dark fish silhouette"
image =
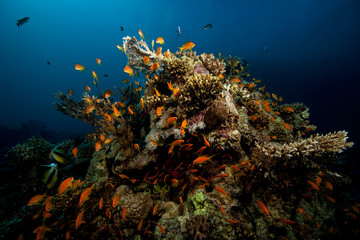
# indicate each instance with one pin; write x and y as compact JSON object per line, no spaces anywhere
{"x":121,"y":28}
{"x":208,"y":26}
{"x":22,"y":21}
{"x":48,"y":62}
{"x":105,"y":75}
{"x":263,"y":51}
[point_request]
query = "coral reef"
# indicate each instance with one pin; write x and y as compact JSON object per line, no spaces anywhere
{"x":201,"y":152}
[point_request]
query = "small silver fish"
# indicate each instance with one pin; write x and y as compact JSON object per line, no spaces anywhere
{"x":178,"y":32}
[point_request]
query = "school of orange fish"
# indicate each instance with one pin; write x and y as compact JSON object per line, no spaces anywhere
{"x":190,"y":161}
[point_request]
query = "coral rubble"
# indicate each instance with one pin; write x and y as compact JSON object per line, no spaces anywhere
{"x":201,"y":152}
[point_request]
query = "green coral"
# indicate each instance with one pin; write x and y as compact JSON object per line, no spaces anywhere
{"x":200,"y":203}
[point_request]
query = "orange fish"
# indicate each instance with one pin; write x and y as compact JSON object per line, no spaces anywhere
{"x":287,"y":221}
{"x":329,"y":185}
{"x":94,"y":75}
{"x":313,"y":185}
{"x":201,"y":159}
{"x":158,"y":51}
{"x":140,"y":224}
{"x":107,"y":116}
{"x":129,"y":70}
{"x":331,"y":199}
{"x":262,"y":206}
{"x":79,"y":220}
{"x":71,"y":92}
{"x":157,"y":92}
{"x":275,"y":96}
{"x":116,"y":111}
{"x":289,"y":109}
{"x":236,"y":80}
{"x":40,"y":232}
{"x":222,"y":209}
{"x":222,"y":191}
{"x":36,"y":199}
{"x":166,"y":54}
{"x":155,"y":208}
{"x":158,"y":111}
{"x":102,"y":137}
{"x":160,"y":40}
{"x":153,"y":142}
{"x":187,"y":46}
{"x":142,"y":106}
{"x":137,"y":147}
{"x":75,"y":152}
{"x":108,"y":93}
{"x":97,"y":146}
{"x":79,"y":67}
{"x":183,"y":123}
{"x":116,"y":200}
{"x":124,"y":213}
{"x":236,"y":168}
{"x":251,"y":85}
{"x":65,"y":185}
{"x":176,"y":93}
{"x":101,"y":203}
{"x":146,"y":60}
{"x":267,"y":108}
{"x":87,"y":89}
{"x":232,"y":221}
{"x":130,"y":111}
{"x":98,"y":61}
{"x":154,"y":67}
{"x":301,"y":210}
{"x":170,"y":86}
{"x":170,"y":120}
{"x":287,"y":126}
{"x":141,"y":34}
{"x":120,"y":104}
{"x":89,"y":109}
{"x":85,"y":195}
{"x":48,"y":205}
{"x":177,"y":142}
{"x":171,"y":149}
{"x":206,"y":141}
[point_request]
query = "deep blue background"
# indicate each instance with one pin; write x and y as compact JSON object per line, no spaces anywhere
{"x":313,"y":51}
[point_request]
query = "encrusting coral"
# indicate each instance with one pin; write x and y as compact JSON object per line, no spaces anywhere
{"x":201,"y":143}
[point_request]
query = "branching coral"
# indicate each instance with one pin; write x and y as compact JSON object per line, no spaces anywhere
{"x":313,"y":146}
{"x":198,"y":91}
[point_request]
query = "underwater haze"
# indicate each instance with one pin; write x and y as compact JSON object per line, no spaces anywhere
{"x":305,"y":51}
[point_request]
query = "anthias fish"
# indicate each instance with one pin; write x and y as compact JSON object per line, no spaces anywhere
{"x":22,"y":21}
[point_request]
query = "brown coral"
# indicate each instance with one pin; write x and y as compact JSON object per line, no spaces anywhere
{"x":214,"y":65}
{"x":199,"y":227}
{"x":198,"y":91}
{"x":216,"y":113}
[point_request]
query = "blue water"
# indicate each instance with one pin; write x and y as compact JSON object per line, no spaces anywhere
{"x":312,"y":51}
